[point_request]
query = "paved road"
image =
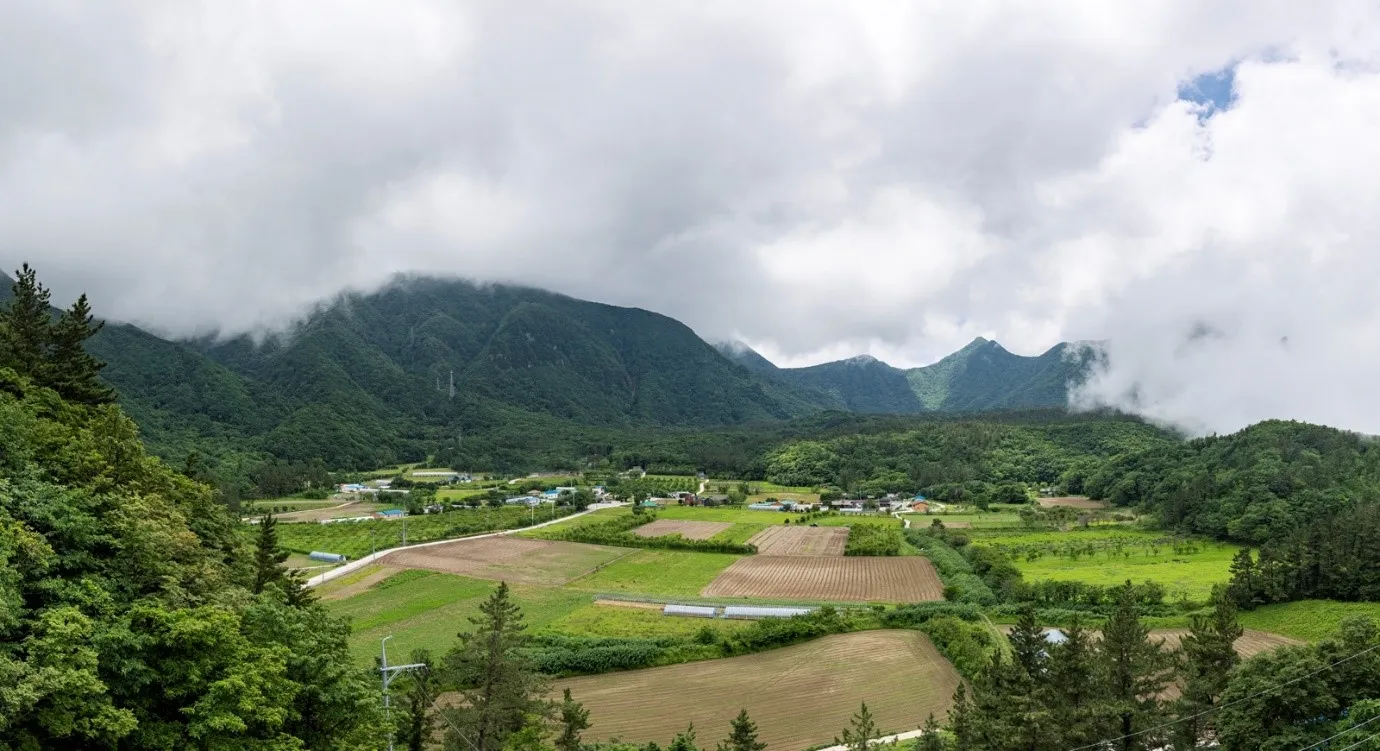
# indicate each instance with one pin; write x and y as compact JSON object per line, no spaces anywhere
{"x":882,"y":741}
{"x":360,"y":563}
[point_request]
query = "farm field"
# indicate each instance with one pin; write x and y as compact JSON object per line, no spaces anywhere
{"x":1251,"y":643}
{"x":687,"y":529}
{"x":829,"y":579}
{"x":1186,"y":568}
{"x":799,"y":696}
{"x":356,"y":539}
{"x":972,"y":519}
{"x":1073,"y":501}
{"x":337,"y":509}
{"x":425,"y":610}
{"x":1309,"y":620}
{"x":730,"y":514}
{"x":263,"y":505}
{"x":635,"y":620}
{"x":510,"y":559}
{"x":780,"y":540}
{"x":657,"y":573}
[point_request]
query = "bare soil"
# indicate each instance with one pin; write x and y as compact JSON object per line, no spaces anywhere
{"x":509,"y":559}
{"x":799,"y":696}
{"x":687,"y":529}
{"x":783,"y":540}
{"x":829,"y":579}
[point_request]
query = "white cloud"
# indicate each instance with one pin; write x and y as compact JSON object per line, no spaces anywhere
{"x":817,"y":178}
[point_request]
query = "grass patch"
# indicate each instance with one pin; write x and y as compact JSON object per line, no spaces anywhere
{"x":669,"y":573}
{"x":608,"y":620}
{"x":1310,"y":620}
{"x":425,"y":609}
{"x":1109,"y":556}
{"x":740,"y":532}
{"x":731,"y":514}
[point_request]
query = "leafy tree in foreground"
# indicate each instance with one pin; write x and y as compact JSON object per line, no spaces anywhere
{"x":126,"y":603}
{"x":500,"y":688}
{"x":743,"y":735}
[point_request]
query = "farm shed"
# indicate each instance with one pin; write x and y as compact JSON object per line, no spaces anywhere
{"x":692,"y":611}
{"x":747,"y":611}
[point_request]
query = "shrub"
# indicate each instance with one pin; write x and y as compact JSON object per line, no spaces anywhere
{"x":873,"y":539}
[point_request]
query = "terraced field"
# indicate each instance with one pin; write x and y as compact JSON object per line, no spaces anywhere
{"x":801,"y":540}
{"x":799,"y":696}
{"x":829,"y":579}
{"x":1073,"y":501}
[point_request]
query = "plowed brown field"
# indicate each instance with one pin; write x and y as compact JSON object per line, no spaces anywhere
{"x":799,"y":696}
{"x":829,"y":579}
{"x":509,"y":559}
{"x":688,"y":530}
{"x":783,"y":540}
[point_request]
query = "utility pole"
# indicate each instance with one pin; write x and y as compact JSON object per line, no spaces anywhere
{"x":452,"y":385}
{"x":404,"y":542}
{"x":389,"y":673}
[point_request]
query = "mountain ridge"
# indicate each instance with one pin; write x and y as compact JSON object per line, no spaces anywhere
{"x":365,"y":379}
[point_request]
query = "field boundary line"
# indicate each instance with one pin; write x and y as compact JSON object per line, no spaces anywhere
{"x":372,"y":558}
{"x":599,"y":567}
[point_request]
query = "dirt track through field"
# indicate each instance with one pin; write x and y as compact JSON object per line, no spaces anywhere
{"x":1250,"y":644}
{"x":687,"y":529}
{"x":783,"y":540}
{"x":361,"y":584}
{"x":509,"y":559}
{"x":1073,"y":501}
{"x":829,"y":579}
{"x":799,"y":696}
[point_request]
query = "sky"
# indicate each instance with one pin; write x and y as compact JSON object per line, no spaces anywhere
{"x":1193,"y":181}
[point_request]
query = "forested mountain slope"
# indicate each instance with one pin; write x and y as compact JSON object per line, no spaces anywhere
{"x":981,"y":376}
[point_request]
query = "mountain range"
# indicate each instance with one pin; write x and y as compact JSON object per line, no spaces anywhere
{"x":368,"y":378}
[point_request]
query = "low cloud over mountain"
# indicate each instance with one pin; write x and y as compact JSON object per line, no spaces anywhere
{"x":1191,"y":181}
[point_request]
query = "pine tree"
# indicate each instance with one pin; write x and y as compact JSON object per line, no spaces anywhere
{"x":861,"y":732}
{"x":418,"y":723}
{"x":1073,"y":689}
{"x":574,"y":718}
{"x":743,"y":736}
{"x":499,"y":687}
{"x":1133,"y":671}
{"x":684,"y":741}
{"x":27,"y":325}
{"x":72,"y":372}
{"x":930,"y":739}
{"x":295,"y":590}
{"x":1028,"y":643}
{"x":1244,"y":588}
{"x":961,"y":719}
{"x":268,"y":558}
{"x":1209,"y":654}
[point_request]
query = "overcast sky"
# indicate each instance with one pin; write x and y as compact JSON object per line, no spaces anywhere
{"x":1196,"y":181}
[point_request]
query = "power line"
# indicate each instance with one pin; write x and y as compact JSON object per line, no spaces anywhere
{"x":1363,"y":740}
{"x":444,"y":716}
{"x":1220,"y":707}
{"x":1344,"y":732}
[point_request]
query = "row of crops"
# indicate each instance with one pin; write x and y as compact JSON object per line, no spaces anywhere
{"x":1108,"y":549}
{"x":359,"y":538}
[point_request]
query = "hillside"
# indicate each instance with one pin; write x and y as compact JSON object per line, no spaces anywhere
{"x":981,"y":376}
{"x":366,"y":380}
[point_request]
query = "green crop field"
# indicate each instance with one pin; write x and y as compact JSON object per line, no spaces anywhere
{"x":613,"y":620}
{"x":425,"y":609}
{"x":976,"y":519}
{"x":666,"y":573}
{"x":731,"y":514}
{"x":1110,"y":556}
{"x":1310,"y":620}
